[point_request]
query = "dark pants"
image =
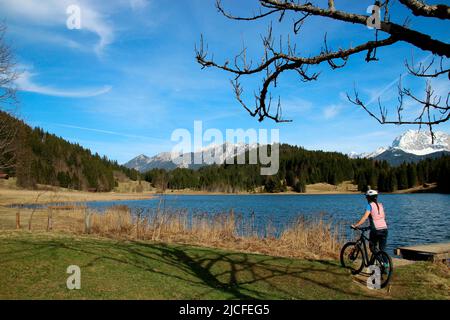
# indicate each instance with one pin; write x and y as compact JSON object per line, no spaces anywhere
{"x":378,"y":238}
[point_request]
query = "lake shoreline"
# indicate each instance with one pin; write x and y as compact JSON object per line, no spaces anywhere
{"x":271,"y":210}
{"x":15,"y":197}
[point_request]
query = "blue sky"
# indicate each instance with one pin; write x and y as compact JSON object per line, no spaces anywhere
{"x":124,"y":82}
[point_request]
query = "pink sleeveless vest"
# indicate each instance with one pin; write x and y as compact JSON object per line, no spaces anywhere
{"x":378,"y":216}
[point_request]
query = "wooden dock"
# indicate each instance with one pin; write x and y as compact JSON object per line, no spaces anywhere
{"x":435,"y":252}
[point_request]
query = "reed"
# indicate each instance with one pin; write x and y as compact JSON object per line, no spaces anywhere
{"x":114,"y":221}
{"x":316,"y":235}
{"x":315,"y":238}
{"x":312,"y":238}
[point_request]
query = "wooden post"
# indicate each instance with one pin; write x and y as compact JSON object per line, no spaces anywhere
{"x":18,"y":218}
{"x":50,"y":220}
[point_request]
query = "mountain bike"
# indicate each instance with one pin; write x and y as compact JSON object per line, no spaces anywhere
{"x":355,"y":256}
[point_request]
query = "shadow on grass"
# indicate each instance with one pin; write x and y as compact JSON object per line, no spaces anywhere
{"x":236,"y":275}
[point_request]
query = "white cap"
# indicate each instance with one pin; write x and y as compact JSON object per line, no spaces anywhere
{"x":371,"y":193}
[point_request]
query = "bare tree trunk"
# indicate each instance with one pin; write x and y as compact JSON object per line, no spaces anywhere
{"x":30,"y":220}
{"x":34,"y":210}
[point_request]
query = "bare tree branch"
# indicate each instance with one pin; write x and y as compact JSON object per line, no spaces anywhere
{"x":423,"y":70}
{"x":7,"y":98}
{"x":254,"y":17}
{"x":420,"y":8}
{"x":400,"y":32}
{"x":281,"y":62}
{"x":285,"y":57}
{"x":433,"y":111}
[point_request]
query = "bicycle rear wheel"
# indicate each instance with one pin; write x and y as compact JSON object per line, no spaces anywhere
{"x":352,"y":257}
{"x":384,"y":262}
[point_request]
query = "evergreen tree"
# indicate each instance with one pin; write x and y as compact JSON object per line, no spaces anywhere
{"x":43,"y":158}
{"x":412,"y":176}
{"x":402,"y":177}
{"x":300,"y":186}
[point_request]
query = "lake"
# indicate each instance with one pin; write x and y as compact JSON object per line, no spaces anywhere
{"x":412,"y":218}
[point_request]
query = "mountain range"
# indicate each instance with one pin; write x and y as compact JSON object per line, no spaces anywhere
{"x":166,"y":161}
{"x":411,"y":146}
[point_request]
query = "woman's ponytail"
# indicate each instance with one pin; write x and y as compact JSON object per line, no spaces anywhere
{"x":375,"y":200}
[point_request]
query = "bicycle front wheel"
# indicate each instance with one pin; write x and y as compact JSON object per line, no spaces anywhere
{"x":352,"y":257}
{"x":384,"y":262}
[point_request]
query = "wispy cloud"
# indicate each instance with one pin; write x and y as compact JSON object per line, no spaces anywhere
{"x":296,"y":106}
{"x":377,"y":93}
{"x":52,"y":13}
{"x":138,"y":4}
{"x":331,"y":111}
{"x":106,"y":132}
{"x":25,"y":83}
{"x":43,"y":36}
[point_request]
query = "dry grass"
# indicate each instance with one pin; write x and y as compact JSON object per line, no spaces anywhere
{"x":134,"y":187}
{"x":304,"y":238}
{"x":325,"y":188}
{"x":315,"y":235}
{"x":12,"y":196}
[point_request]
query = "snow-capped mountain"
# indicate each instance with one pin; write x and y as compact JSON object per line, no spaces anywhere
{"x":144,"y":163}
{"x":207,"y":156}
{"x":368,"y":155}
{"x":411,"y":146}
{"x":138,"y":162}
{"x":420,"y":142}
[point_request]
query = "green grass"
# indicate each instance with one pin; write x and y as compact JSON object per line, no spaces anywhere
{"x":33,"y":266}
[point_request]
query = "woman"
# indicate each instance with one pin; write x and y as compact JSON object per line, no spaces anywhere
{"x":378,"y":226}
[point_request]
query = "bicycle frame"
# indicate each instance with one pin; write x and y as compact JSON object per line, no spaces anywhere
{"x":379,"y":263}
{"x":361,"y":242}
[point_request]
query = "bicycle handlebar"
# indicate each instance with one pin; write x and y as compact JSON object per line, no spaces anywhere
{"x":364,"y":229}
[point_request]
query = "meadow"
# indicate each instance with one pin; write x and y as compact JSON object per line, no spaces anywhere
{"x":170,"y":254}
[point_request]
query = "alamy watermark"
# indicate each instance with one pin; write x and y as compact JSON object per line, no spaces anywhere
{"x":374,"y":20}
{"x":74,"y":280}
{"x":190,"y":149}
{"x":73,"y":21}
{"x":374,"y":281}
